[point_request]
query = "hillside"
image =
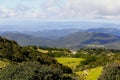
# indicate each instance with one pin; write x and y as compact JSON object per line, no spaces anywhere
{"x":24,"y":39}
{"x":72,"y":39}
{"x":68,"y":38}
{"x":29,"y":63}
{"x":101,"y":38}
{"x":52,"y":34}
{"x":84,"y":39}
{"x":112,"y":31}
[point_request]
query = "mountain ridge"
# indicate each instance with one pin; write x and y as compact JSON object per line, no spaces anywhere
{"x":73,"y":40}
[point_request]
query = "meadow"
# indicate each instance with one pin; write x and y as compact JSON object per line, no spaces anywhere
{"x":70,"y":62}
{"x":89,"y":74}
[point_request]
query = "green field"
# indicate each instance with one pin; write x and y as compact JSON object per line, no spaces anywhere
{"x":90,"y":74}
{"x":94,"y":73}
{"x":71,"y":62}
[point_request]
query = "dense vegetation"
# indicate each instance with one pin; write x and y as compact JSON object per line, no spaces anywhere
{"x":96,"y":57}
{"x":92,"y":59}
{"x":39,"y":63}
{"x":111,"y":72}
{"x":32,"y":71}
{"x":27,"y":63}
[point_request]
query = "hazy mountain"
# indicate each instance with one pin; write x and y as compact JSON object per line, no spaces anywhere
{"x":51,"y":25}
{"x":72,"y":39}
{"x":52,"y":34}
{"x":84,"y":39}
{"x":101,"y":38}
{"x":24,"y":39}
{"x":113,"y":31}
{"x":68,"y":38}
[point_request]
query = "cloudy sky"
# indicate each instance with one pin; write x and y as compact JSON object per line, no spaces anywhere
{"x":60,"y":9}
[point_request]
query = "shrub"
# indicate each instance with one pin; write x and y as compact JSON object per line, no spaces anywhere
{"x":111,"y":72}
{"x":32,"y":71}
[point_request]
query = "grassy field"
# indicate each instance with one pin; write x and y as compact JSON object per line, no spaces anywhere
{"x":91,"y":74}
{"x":71,"y":62}
{"x":94,"y":73}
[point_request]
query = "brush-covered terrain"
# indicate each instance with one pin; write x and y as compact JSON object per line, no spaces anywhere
{"x":88,"y":64}
{"x":44,"y":63}
{"x":27,"y":63}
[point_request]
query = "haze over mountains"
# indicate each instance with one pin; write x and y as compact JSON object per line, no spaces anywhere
{"x":68,"y":35}
{"x":53,"y":34}
{"x":68,"y":38}
{"x":22,"y":26}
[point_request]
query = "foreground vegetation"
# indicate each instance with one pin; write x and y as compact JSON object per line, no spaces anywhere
{"x":38,"y":63}
{"x":26,"y":63}
{"x":91,"y":62}
{"x":90,"y":74}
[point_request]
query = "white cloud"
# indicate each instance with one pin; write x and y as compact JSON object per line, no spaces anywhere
{"x":82,"y":9}
{"x":48,"y":3}
{"x":67,"y":9}
{"x":4,"y":12}
{"x":95,"y":8}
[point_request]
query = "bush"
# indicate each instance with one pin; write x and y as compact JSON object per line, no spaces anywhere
{"x":32,"y":71}
{"x":111,"y":72}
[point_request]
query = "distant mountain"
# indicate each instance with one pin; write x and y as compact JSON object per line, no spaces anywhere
{"x":24,"y":39}
{"x":53,"y":25}
{"x":101,"y":38}
{"x":113,"y":31}
{"x":84,"y":39}
{"x":71,"y":40}
{"x":68,"y":38}
{"x":52,"y":34}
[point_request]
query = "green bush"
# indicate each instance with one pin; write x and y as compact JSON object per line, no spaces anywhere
{"x":32,"y":71}
{"x":111,"y":72}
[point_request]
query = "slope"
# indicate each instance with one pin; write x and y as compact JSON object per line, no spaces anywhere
{"x":25,"y":40}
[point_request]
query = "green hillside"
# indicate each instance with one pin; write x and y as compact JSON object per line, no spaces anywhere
{"x":26,"y":63}
{"x":71,"y":62}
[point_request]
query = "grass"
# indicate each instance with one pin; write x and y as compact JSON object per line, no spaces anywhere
{"x":92,"y":74}
{"x":70,"y":62}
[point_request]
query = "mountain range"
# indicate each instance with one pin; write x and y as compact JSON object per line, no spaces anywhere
{"x":68,"y":38}
{"x":24,"y":39}
{"x":52,"y":34}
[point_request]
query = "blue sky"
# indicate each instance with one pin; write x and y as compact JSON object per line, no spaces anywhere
{"x":52,"y":10}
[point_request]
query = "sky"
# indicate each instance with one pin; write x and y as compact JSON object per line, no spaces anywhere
{"x":60,"y":9}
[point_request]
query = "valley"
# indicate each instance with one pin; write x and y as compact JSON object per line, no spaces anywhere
{"x":59,"y":39}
